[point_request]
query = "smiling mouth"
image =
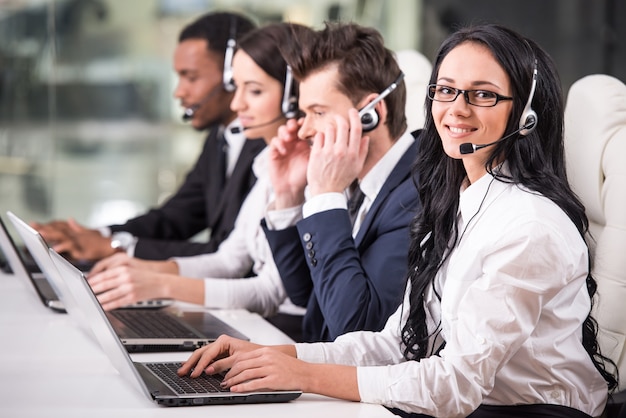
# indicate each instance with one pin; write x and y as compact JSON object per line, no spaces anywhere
{"x":455,"y":130}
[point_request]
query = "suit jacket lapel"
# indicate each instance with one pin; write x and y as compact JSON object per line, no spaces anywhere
{"x":250,"y":150}
{"x":401,"y":172}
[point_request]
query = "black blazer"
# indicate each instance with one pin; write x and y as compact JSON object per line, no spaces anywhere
{"x":201,"y":202}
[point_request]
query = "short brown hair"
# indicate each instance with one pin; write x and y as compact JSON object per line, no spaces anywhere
{"x":364,"y":65}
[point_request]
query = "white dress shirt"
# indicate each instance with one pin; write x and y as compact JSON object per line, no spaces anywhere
{"x":235,"y":138}
{"x":245,"y":247}
{"x":513,"y":300}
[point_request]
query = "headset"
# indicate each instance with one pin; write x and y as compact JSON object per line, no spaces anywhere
{"x":289,"y":104}
{"x":369,"y":116}
{"x":528,"y":120}
{"x":227,"y":76}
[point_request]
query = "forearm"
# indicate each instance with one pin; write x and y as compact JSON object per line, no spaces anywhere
{"x":331,"y":380}
{"x":288,"y":349}
{"x":184,"y":289}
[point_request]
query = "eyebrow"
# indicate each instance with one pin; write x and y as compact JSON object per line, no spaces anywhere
{"x":314,"y":105}
{"x":187,"y":72}
{"x":254,"y":83}
{"x":476,"y":83}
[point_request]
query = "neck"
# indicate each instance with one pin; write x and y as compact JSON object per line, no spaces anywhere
{"x":379,"y":145}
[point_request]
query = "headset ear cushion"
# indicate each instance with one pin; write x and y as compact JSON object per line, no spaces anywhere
{"x":528,"y":122}
{"x":369,"y":120}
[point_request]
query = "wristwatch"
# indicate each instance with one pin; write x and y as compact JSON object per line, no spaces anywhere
{"x":121,"y":240}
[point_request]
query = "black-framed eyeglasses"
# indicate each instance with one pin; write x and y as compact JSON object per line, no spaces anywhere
{"x":482,"y":98}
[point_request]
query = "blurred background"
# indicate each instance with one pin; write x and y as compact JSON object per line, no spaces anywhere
{"x":89,"y":127}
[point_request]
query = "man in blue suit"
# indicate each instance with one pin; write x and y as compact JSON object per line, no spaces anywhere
{"x":348,"y":273}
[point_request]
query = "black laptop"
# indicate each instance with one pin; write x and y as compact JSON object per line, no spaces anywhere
{"x":157,"y":380}
{"x":140,"y":330}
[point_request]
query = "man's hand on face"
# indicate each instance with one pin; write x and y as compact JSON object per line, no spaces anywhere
{"x":338,"y":155}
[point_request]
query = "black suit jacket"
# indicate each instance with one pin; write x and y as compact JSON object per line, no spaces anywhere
{"x":201,"y":202}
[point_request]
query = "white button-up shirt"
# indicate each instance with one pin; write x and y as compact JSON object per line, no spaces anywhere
{"x":513,"y":301}
{"x":245,"y":247}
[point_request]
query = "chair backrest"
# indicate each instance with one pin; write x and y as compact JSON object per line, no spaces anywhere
{"x":416,"y":68}
{"x":595,"y":146}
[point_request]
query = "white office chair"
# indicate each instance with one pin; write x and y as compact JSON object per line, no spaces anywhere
{"x":416,"y":68}
{"x":595,"y":147}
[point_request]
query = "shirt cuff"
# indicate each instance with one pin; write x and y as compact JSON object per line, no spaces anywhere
{"x":105,"y":231}
{"x":130,"y":251}
{"x":324,"y":202}
{"x":218,"y":293}
{"x":312,"y":353}
{"x":373,"y":383}
{"x":184,"y":269}
{"x":277,"y":219}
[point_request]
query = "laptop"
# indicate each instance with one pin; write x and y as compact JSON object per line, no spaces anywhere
{"x":16,"y":265}
{"x":157,"y":380}
{"x":140,"y":330}
{"x":31,"y":266}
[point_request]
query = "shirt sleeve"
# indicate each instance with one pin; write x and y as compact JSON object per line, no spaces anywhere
{"x":224,"y":272}
{"x":283,"y":218}
{"x":323,"y":202}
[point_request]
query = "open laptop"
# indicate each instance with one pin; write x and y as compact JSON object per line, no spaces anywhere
{"x":30,"y":265}
{"x":158,"y":380}
{"x":37,"y":281}
{"x":141,"y":330}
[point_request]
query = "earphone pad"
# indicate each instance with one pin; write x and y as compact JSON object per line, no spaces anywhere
{"x":229,"y":86}
{"x":528,"y":122}
{"x":369,"y":120}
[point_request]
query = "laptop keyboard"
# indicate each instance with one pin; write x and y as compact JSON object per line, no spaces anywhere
{"x":153,"y":324}
{"x":186,"y":385}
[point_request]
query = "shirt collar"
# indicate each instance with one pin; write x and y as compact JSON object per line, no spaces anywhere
{"x":475,"y":196}
{"x":377,"y":176}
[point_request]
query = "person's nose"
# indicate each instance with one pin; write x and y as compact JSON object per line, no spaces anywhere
{"x":460,"y":105}
{"x":180,"y":91}
{"x":306,"y":130}
{"x":237,"y":103}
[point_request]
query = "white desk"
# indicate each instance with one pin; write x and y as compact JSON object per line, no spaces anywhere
{"x":50,"y":368}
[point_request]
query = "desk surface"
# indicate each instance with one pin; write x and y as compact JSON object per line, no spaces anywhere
{"x":49,"y":367}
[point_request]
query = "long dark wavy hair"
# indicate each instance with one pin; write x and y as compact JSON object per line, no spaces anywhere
{"x":535,"y":161}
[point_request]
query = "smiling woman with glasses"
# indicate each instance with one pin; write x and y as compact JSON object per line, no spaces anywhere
{"x":482,"y":98}
{"x":496,"y":317}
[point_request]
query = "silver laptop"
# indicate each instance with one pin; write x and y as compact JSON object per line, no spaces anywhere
{"x":38,"y":281}
{"x":157,"y":380}
{"x":141,"y":330}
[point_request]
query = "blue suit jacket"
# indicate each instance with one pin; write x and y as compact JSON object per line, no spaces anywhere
{"x":350,"y":284}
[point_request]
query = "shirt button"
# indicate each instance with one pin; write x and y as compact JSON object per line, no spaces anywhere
{"x":306,"y":237}
{"x":555,"y":394}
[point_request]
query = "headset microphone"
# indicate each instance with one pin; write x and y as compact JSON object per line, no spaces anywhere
{"x":260,"y":125}
{"x":190,"y":111}
{"x":469,"y":148}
